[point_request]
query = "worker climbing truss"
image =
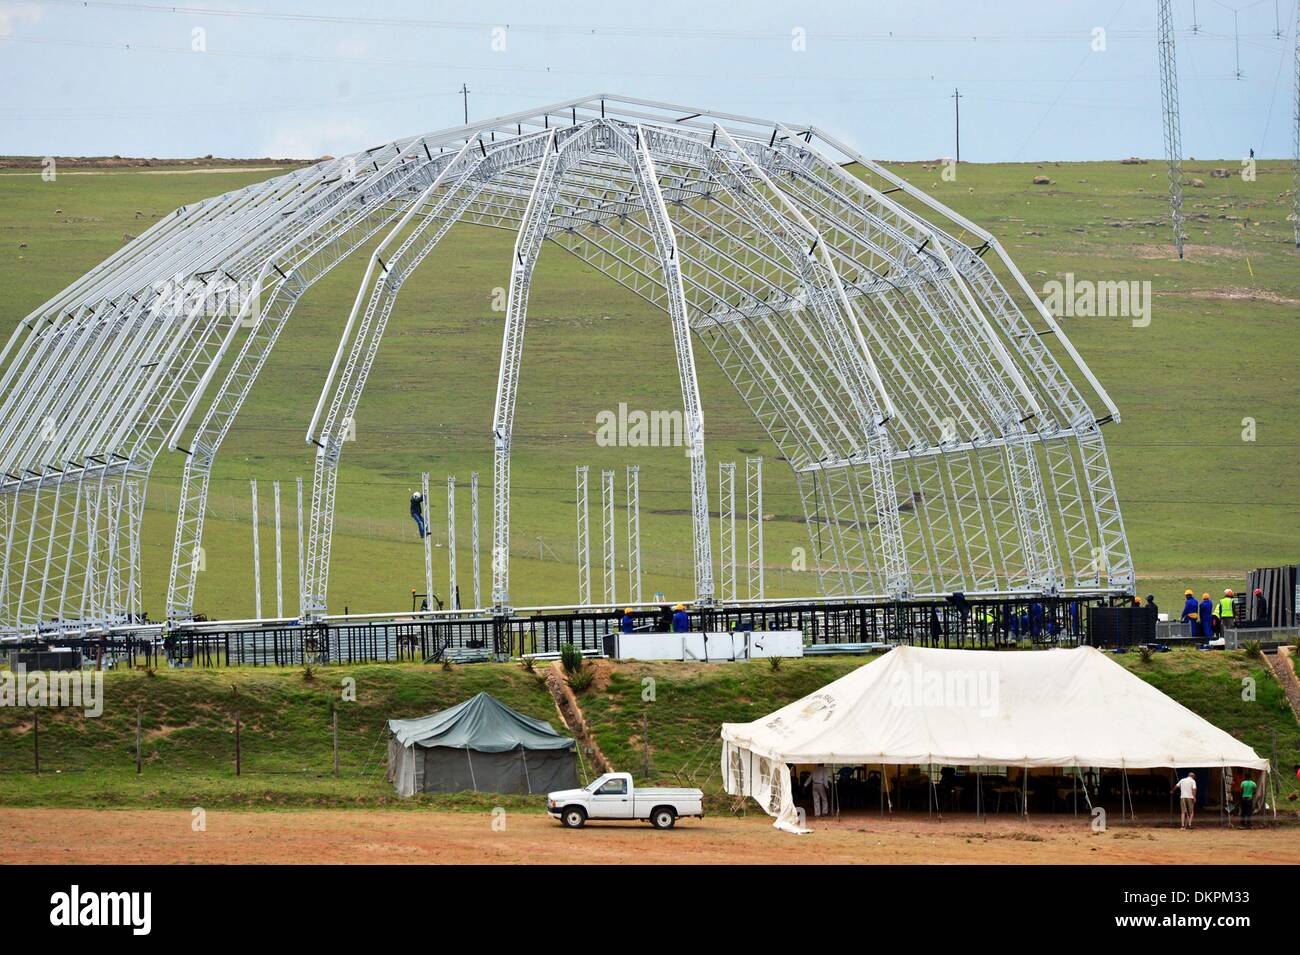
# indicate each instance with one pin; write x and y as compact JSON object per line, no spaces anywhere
{"x":892,"y":352}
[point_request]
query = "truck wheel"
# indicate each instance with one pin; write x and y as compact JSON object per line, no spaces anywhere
{"x":663,"y":817}
{"x":574,"y":817}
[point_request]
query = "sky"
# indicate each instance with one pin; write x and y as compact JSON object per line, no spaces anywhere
{"x":1059,"y":80}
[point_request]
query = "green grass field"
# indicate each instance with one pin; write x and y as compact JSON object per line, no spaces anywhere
{"x":1201,"y":505}
{"x":188,"y":720}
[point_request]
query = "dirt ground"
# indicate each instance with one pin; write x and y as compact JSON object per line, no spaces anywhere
{"x":357,"y":836}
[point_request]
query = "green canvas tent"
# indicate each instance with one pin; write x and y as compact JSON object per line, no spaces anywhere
{"x":480,"y":745}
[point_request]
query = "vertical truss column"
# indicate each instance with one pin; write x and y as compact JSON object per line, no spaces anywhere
{"x":301,"y":582}
{"x":608,"y":544}
{"x":634,"y":534}
{"x":427,"y":542}
{"x":474,"y":539}
{"x":754,"y":526}
{"x":279,"y":556}
{"x":257,"y":558}
{"x":135,"y":495}
{"x":666,"y":247}
{"x":584,"y":541}
{"x":1172,"y":122}
{"x":453,"y":588}
{"x":527,"y":246}
{"x":727,"y":530}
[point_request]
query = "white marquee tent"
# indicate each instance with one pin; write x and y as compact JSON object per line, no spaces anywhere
{"x":917,"y":706}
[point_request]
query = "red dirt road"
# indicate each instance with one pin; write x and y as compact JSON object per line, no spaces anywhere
{"x":90,"y":836}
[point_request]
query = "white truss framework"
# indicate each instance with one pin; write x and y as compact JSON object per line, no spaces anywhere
{"x":474,"y":539}
{"x":608,"y":553}
{"x":453,"y":588}
{"x":427,"y":542}
{"x":279,"y":556}
{"x":727,"y":530}
{"x":584,"y":540}
{"x":301,"y":568}
{"x":257,"y":555}
{"x":634,"y":534}
{"x":754,"y":527}
{"x":889,"y":348}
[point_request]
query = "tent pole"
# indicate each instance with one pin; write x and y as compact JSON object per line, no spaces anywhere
{"x":1024,"y":794}
{"x":472,"y":781}
{"x":1123,"y":787}
{"x":979,"y":791}
{"x":1174,"y":773}
{"x":1226,"y":790}
{"x":527,"y":780}
{"x":882,"y":790}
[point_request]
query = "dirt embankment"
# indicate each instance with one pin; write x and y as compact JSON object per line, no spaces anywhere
{"x":566,"y":703}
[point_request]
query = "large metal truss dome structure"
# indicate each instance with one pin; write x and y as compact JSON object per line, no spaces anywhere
{"x":889,"y":348}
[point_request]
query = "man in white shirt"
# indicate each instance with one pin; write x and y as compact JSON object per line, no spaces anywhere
{"x":818,"y":782}
{"x":1186,"y":788}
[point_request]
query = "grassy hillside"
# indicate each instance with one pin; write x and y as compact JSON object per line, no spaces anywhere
{"x":188,"y":727}
{"x":1201,"y":505}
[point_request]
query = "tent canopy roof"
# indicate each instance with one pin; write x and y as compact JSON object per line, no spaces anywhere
{"x":481,"y":723}
{"x":977,"y":707}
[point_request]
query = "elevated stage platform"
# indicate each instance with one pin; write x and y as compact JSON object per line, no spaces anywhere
{"x":984,"y":623}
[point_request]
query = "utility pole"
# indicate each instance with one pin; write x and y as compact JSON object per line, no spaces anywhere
{"x":1173,"y":134}
{"x":464,"y":95}
{"x":956,"y":115}
{"x":1295,"y":138}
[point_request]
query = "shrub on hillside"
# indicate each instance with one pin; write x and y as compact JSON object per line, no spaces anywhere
{"x":581,"y":678}
{"x":570,"y":658}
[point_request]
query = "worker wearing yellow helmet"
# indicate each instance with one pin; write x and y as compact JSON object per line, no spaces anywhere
{"x":681,"y":622}
{"x":1191,"y":611}
{"x":626,"y":624}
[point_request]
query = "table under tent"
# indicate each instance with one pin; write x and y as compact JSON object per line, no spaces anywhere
{"x":480,"y":745}
{"x":928,"y":730}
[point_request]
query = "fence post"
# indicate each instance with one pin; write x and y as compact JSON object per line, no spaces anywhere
{"x":335,"y":708}
{"x":237,"y":766}
{"x":137,"y":740}
{"x":645,"y":743}
{"x":36,"y":738}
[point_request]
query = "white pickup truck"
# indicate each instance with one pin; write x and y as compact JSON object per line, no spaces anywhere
{"x":613,"y":796}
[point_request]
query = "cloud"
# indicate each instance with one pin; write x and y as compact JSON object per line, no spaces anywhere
{"x":308,"y":140}
{"x":14,"y":14}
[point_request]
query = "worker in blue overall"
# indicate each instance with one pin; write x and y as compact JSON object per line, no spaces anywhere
{"x":417,"y":513}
